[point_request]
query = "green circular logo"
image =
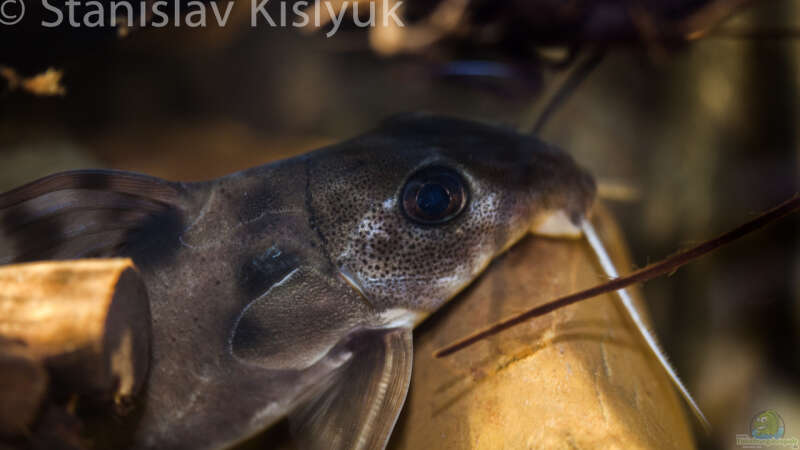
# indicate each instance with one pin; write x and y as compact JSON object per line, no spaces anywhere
{"x":767,"y":425}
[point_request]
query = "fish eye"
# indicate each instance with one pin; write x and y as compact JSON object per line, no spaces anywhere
{"x":434,"y":195}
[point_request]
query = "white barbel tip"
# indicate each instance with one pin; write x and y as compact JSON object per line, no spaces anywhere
{"x":638,"y":321}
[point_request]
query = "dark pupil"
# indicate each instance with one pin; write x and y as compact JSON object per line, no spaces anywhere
{"x":433,"y":200}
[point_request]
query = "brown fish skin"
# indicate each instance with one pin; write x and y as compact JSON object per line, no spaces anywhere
{"x":268,"y":286}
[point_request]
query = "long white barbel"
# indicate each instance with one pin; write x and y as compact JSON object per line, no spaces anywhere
{"x":608,"y":267}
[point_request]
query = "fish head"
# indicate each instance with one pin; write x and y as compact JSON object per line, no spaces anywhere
{"x":413,"y":211}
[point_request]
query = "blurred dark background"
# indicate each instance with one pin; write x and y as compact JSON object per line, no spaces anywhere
{"x":689,"y":122}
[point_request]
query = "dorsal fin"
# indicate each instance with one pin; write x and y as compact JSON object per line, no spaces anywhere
{"x":87,"y":213}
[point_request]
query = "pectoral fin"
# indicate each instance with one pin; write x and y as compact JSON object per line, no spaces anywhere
{"x":361,"y":403}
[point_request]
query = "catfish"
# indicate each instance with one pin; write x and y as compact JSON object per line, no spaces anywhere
{"x":291,"y":290}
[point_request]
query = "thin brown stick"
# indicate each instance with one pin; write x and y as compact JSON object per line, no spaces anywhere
{"x":662,"y":267}
{"x":575,"y":76}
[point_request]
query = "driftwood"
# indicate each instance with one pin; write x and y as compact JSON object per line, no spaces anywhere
{"x":579,"y":377}
{"x":69,"y":329}
{"x":23,"y":385}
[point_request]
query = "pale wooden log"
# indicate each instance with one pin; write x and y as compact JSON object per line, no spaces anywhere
{"x":579,"y":377}
{"x":87,"y":320}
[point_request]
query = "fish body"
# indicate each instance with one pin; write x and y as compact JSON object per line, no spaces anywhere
{"x":291,"y":289}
